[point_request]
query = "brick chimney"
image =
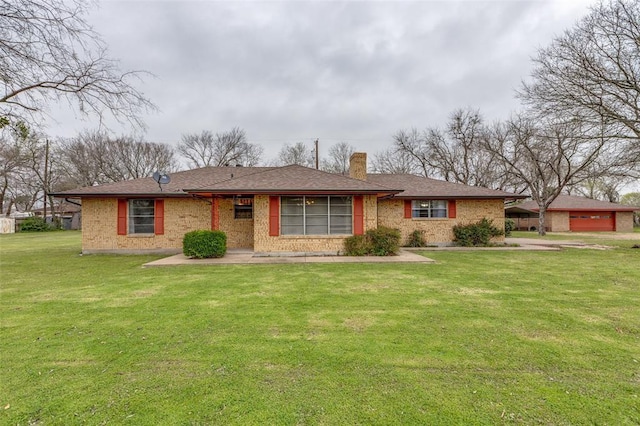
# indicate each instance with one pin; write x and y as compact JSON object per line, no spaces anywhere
{"x":358,"y":165}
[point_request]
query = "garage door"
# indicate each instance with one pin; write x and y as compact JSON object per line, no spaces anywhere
{"x":592,"y":221}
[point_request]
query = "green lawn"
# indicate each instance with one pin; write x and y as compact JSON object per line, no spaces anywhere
{"x":481,"y":337}
{"x":600,"y":238}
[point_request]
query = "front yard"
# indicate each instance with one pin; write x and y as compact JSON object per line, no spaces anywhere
{"x":481,"y":337}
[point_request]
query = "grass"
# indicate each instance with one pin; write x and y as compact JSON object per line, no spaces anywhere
{"x":481,"y":337}
{"x":598,"y":238}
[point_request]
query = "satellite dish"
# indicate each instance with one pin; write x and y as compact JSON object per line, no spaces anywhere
{"x":162,"y":178}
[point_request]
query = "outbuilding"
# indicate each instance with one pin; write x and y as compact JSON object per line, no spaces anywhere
{"x":576,"y":214}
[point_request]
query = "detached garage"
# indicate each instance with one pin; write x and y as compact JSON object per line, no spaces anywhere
{"x":577,"y":214}
{"x":592,"y":221}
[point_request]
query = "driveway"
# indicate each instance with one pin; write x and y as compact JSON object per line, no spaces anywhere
{"x":587,"y":240}
{"x":604,"y":235}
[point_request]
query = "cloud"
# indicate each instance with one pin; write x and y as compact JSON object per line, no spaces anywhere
{"x":338,"y":71}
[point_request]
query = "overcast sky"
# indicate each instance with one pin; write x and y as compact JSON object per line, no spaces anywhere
{"x":337,"y":71}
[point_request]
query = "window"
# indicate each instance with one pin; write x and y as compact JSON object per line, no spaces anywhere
{"x":141,"y":216}
{"x":316,"y":215}
{"x":243,"y":208}
{"x":429,"y":208}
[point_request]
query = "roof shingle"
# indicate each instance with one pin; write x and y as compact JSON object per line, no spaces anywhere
{"x":568,"y":202}
{"x":292,"y":178}
{"x":282,"y":180}
{"x":421,"y":187}
{"x":179,"y":180}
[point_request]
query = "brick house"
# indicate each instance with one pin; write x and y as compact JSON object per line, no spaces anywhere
{"x":276,"y":209}
{"x":571,"y":213}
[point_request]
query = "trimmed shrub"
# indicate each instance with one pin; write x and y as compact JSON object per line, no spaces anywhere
{"x":382,"y":241}
{"x":204,"y":244}
{"x":476,"y":234}
{"x":357,"y":245}
{"x":416,"y":239}
{"x":509,"y":225}
{"x":35,"y":224}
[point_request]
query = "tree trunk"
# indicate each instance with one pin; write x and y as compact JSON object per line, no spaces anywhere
{"x":542,"y":230}
{"x":9,"y":207}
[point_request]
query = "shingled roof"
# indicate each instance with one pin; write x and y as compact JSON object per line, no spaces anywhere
{"x":568,"y":202}
{"x":149,"y":187}
{"x":293,"y":179}
{"x":234,"y":180}
{"x":421,"y":187}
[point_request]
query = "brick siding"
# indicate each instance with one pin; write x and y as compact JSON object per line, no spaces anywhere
{"x":440,"y":231}
{"x":99,"y":227}
{"x":239,"y":231}
{"x":624,"y":221}
{"x":99,"y":232}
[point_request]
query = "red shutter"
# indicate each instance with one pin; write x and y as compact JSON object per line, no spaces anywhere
{"x":452,"y":209}
{"x":159,"y":217}
{"x":122,"y":217}
{"x":215,"y":214}
{"x":274,"y":216}
{"x":358,"y":215}
{"x":407,"y":209}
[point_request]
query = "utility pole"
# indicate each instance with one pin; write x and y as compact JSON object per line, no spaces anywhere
{"x":317,"y":155}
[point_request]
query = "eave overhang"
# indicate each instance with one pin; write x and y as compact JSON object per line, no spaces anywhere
{"x":460,"y":197}
{"x":123,"y":195}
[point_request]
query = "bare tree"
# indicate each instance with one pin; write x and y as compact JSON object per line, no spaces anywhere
{"x":298,"y":153}
{"x":338,"y":159}
{"x":93,"y":158}
{"x":34,"y":166}
{"x":11,"y":163}
{"x":27,"y":174}
{"x":455,"y":154}
{"x":458,"y":155}
{"x":136,"y":158}
{"x":605,"y":188}
{"x":198,"y":149}
{"x":592,"y":72}
{"x":40,"y":177}
{"x":227,"y":148}
{"x":85,"y":157}
{"x":392,"y":160}
{"x":545,"y":156}
{"x":49,"y":53}
{"x":410,"y":148}
{"x":608,"y":175}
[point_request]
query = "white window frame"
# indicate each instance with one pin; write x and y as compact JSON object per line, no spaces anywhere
{"x":329,"y":215}
{"x":131,"y":217}
{"x":425,"y":209}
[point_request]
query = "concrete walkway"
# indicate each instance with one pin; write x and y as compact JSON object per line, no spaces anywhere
{"x":406,"y":255}
{"x":242,"y":257}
